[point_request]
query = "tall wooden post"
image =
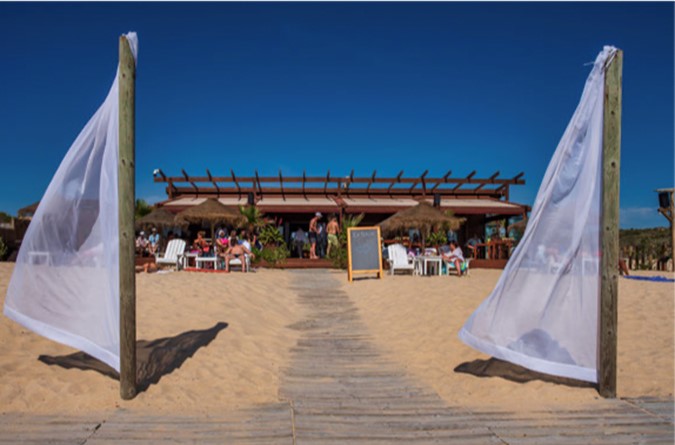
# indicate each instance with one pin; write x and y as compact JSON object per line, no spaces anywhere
{"x":609,"y":234}
{"x":126,"y":188}
{"x":669,"y":213}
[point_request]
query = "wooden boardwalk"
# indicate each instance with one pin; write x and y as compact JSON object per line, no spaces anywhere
{"x":339,"y":389}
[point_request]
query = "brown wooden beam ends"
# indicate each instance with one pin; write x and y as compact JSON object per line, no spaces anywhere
{"x":395,"y":180}
{"x":215,"y":184}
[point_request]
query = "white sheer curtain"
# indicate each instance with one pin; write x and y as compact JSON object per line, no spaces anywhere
{"x":543,"y":312}
{"x":65,"y":284}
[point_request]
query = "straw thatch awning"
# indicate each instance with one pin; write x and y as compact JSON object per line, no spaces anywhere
{"x":160,"y":218}
{"x":28,"y":211}
{"x":423,"y":216}
{"x":210,"y":212}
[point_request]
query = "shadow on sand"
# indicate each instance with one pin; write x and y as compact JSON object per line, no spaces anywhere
{"x":499,"y":368}
{"x":154,"y":359}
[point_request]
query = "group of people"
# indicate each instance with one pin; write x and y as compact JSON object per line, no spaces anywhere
{"x":147,"y":246}
{"x":228,"y":247}
{"x":321,"y":237}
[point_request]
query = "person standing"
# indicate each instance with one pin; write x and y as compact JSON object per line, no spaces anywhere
{"x":332,"y":230}
{"x":313,"y":232}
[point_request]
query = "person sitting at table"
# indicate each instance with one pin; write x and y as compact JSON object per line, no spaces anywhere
{"x":222,"y":242}
{"x":455,"y":257}
{"x":200,"y":244}
{"x":237,"y":251}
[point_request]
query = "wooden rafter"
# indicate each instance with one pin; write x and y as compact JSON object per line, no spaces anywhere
{"x":394,"y":181}
{"x":187,"y":179}
{"x":234,"y":179}
{"x":445,"y":180}
{"x":492,"y":178}
{"x":466,"y":180}
{"x":257,"y":183}
{"x":372,"y":179}
{"x":215,"y":184}
{"x":349,"y":183}
{"x":281,"y":185}
{"x":417,"y":181}
{"x":325,"y":184}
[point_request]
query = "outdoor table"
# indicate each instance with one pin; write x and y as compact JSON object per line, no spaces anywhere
{"x":186,"y":258}
{"x":200,"y":261}
{"x":424,"y":264}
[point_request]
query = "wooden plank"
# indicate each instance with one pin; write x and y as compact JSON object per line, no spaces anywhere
{"x":126,"y":197}
{"x":609,"y":234}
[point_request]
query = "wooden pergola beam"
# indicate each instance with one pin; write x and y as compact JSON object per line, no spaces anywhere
{"x":257,"y":182}
{"x":281,"y":185}
{"x":304,"y":179}
{"x":372,"y":179}
{"x":492,"y":178}
{"x":325,"y":184}
{"x":188,"y":179}
{"x":417,"y":181}
{"x":349,"y":183}
{"x":445,"y":180}
{"x":466,"y":180}
{"x":288,"y":191}
{"x":395,"y":180}
{"x":234,"y":179}
{"x":215,"y":184}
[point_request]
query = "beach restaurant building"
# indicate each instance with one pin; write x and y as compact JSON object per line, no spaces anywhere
{"x":293,"y":200}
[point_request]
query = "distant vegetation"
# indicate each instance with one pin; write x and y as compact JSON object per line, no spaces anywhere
{"x":645,"y":248}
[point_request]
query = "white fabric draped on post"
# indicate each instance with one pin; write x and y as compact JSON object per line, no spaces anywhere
{"x":65,"y":284}
{"x":543,"y":312}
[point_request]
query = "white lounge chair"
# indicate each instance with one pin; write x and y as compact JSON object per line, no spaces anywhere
{"x":173,"y":254}
{"x":450,"y":266}
{"x":236,"y":262}
{"x":398,"y":259}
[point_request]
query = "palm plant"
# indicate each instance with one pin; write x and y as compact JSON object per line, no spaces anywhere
{"x":254,"y":217}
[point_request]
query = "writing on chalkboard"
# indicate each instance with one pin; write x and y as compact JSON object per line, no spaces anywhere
{"x":364,"y":251}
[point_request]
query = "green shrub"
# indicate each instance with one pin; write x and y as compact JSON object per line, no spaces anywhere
{"x":437,"y":238}
{"x":274,"y":254}
{"x":270,"y":235}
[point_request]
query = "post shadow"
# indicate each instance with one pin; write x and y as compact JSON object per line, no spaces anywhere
{"x":154,"y":359}
{"x":495,"y":367}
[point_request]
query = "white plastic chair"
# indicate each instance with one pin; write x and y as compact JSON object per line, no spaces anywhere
{"x":173,"y":254}
{"x":398,"y":259}
{"x":450,"y":265}
{"x":237,"y":263}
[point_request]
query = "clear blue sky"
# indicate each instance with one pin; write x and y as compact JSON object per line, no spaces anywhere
{"x":339,"y":86}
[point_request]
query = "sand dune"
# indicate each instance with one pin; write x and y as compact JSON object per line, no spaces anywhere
{"x":414,"y":320}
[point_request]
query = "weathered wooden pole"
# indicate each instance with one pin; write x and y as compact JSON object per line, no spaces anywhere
{"x":669,"y":213}
{"x":126,"y":188}
{"x":609,"y":233}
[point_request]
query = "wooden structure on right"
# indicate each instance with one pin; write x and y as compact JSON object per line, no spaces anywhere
{"x":295,"y":199}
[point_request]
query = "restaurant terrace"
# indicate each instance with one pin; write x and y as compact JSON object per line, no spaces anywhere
{"x":294,"y":199}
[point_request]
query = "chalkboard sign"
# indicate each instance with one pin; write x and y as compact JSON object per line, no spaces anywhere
{"x":364,"y":251}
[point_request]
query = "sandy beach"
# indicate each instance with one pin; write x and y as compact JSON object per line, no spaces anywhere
{"x":413,"y":320}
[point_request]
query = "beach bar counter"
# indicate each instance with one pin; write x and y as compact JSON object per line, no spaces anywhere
{"x":294,"y":200}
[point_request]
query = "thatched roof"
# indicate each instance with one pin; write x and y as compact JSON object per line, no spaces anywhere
{"x":423,"y":216}
{"x":210,"y":212}
{"x":160,"y":218}
{"x":28,"y":211}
